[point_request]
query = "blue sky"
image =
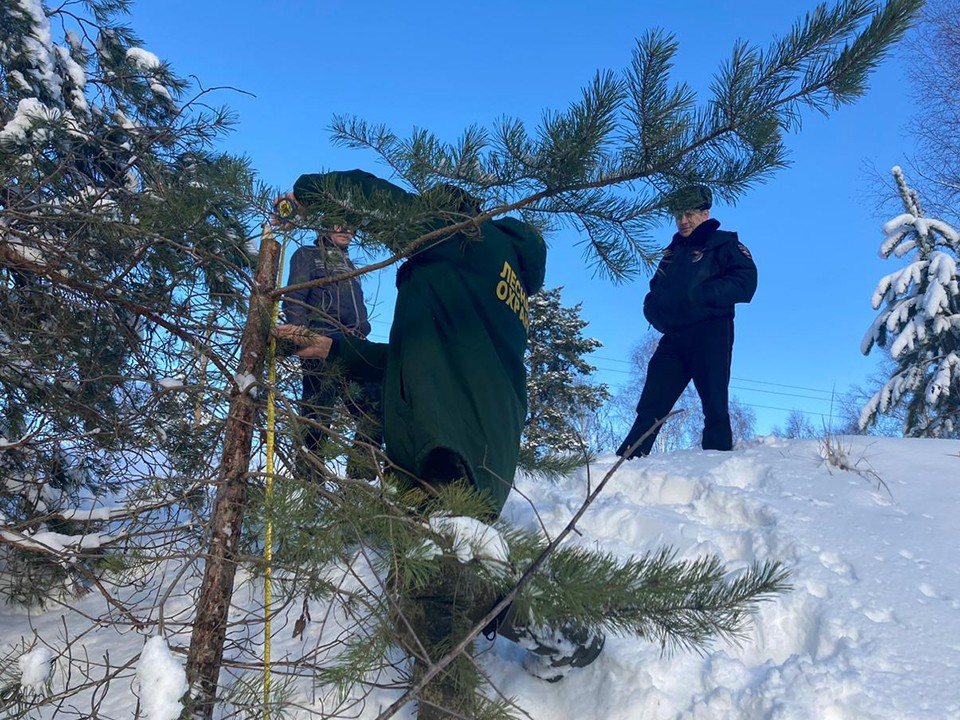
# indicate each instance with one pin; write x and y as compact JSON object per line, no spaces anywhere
{"x":813,"y":229}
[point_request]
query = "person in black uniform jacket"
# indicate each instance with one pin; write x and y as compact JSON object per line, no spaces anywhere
{"x":335,"y":309}
{"x":704,"y":272}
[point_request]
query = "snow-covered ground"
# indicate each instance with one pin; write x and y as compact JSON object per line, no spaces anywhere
{"x":871,"y":629}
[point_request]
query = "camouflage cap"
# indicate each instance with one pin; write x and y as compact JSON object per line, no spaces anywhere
{"x":691,"y":197}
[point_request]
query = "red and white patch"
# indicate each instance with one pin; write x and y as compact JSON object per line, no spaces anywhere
{"x":742,"y":248}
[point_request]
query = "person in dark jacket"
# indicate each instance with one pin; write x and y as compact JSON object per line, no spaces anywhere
{"x":335,"y":308}
{"x":704,"y":272}
{"x":454,"y":402}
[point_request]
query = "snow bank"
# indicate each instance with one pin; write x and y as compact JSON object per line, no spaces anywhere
{"x":870,"y":631}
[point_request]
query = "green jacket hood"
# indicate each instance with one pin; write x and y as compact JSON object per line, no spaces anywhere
{"x":531,"y":251}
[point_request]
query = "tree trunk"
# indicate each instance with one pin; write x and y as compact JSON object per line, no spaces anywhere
{"x":213,"y":606}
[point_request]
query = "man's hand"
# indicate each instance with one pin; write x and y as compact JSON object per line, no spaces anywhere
{"x":310,"y":343}
{"x":286,"y":210}
{"x":320,"y":348}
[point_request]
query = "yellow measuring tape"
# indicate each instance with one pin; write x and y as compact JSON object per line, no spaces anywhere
{"x":268,"y":488}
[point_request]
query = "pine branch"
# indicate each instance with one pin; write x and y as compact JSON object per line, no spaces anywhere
{"x":656,"y":113}
{"x":633,"y":128}
{"x":551,"y":466}
{"x":683,"y":605}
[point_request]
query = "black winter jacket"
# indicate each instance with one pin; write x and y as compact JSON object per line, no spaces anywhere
{"x":700,"y":277}
{"x":331,"y":309}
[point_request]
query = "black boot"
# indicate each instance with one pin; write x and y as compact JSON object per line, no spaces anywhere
{"x":636,"y":432}
{"x":554,"y":652}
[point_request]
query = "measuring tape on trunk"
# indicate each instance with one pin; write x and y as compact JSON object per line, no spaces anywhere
{"x":270,"y":470}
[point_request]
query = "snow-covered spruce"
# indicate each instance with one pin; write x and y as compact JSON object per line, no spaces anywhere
{"x":919,"y":322}
{"x":560,"y":393}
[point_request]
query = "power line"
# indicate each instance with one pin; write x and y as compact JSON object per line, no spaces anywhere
{"x":810,"y":413}
{"x":775,"y":392}
{"x":812,"y":398}
{"x":738,"y":379}
{"x":792,"y":387}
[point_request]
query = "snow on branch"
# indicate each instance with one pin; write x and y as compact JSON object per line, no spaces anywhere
{"x":28,"y":123}
{"x":53,"y":542}
{"x":148,"y":63}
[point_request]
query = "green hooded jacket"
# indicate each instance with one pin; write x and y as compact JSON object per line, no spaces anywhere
{"x":453,"y":373}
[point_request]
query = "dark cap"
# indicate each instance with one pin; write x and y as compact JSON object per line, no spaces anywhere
{"x":691,"y":197}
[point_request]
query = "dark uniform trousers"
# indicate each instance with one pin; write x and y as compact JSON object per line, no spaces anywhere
{"x":701,"y":353}
{"x":323,"y":389}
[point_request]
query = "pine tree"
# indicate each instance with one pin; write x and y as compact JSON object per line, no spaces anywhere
{"x":559,"y":390}
{"x":919,"y":324}
{"x":122,"y":258}
{"x":602,"y":166}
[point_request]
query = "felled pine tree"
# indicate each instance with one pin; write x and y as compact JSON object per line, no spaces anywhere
{"x":559,"y":389}
{"x":121,"y":242}
{"x":919,"y":323}
{"x":380,"y":553}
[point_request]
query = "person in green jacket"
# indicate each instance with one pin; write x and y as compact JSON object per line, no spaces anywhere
{"x":454,"y":394}
{"x":453,"y":373}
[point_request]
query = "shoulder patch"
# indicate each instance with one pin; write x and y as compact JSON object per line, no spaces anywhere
{"x":743,"y":248}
